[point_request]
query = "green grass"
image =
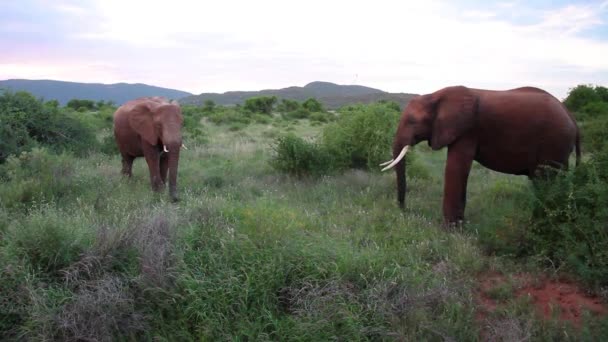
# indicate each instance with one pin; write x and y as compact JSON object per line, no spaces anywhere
{"x":249,"y":253}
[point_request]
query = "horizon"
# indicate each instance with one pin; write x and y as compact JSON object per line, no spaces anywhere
{"x":240,"y":46}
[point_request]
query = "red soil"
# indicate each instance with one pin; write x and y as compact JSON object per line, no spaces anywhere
{"x":563,"y":297}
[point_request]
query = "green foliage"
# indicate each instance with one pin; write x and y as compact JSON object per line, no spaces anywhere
{"x":82,"y":105}
{"x":588,"y":102}
{"x":208,"y":106}
{"x":322,"y":117}
{"x":300,"y":113}
{"x":570,"y":218}
{"x":231,"y":116}
{"x":594,"y":134}
{"x":362,"y":135}
{"x":260,"y":104}
{"x":296,"y":156}
{"x":286,"y":106}
{"x":313,"y":105}
{"x":36,"y":176}
{"x":28,"y":122}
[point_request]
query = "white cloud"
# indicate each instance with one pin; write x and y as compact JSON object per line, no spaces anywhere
{"x":393,"y":45}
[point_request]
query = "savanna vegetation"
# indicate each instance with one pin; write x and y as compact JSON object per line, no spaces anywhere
{"x":285,"y":231}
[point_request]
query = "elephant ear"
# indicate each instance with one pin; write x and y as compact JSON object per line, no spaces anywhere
{"x":456,"y":109}
{"x":141,"y":120}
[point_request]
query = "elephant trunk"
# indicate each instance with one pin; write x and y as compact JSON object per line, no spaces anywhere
{"x":400,"y":173}
{"x":173,"y":163}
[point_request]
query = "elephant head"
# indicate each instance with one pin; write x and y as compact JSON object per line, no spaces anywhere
{"x":439,"y":118}
{"x":158,"y":123}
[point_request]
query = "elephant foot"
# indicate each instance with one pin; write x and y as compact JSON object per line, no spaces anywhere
{"x":174,"y":199}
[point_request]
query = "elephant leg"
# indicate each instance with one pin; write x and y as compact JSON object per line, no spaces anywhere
{"x":152,"y":156}
{"x":460,"y":158}
{"x":164,"y":166}
{"x":127,"y":165}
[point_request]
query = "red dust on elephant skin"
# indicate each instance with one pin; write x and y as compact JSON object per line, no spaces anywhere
{"x":563,"y":298}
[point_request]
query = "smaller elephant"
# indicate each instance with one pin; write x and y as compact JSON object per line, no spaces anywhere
{"x":516,"y":131}
{"x":150,"y":127}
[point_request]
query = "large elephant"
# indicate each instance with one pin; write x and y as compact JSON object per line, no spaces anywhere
{"x":151,"y":127}
{"x":513,"y":131}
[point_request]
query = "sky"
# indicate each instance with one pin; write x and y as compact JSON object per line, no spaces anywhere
{"x":397,"y":46}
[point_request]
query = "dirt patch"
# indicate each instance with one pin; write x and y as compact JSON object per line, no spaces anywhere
{"x":564,"y":298}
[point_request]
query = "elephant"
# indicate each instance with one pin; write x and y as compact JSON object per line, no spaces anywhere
{"x":516,"y":131}
{"x":151,"y":127}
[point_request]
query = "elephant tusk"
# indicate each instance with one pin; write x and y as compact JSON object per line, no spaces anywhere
{"x":386,"y":163}
{"x":184,"y":147}
{"x":398,"y":159}
{"x":165,"y":148}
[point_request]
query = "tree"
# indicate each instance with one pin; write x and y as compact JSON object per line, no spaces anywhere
{"x":208,"y":106}
{"x":287,"y":105}
{"x":313,"y":105}
{"x":260,"y":104}
{"x":581,"y":95}
{"x":77,"y":104}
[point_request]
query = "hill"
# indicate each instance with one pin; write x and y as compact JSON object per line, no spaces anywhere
{"x":64,"y":91}
{"x":332,"y":95}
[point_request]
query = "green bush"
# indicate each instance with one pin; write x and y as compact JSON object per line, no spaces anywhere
{"x":35,"y":177}
{"x":230,"y":116}
{"x":594,"y":134}
{"x":300,"y":113}
{"x":260,"y":104}
{"x":286,"y":106}
{"x":321,"y":117}
{"x":27,"y":122}
{"x":82,"y":105}
{"x":296,"y":156}
{"x":582,"y":95}
{"x":362,"y":135}
{"x":570,"y":220}
{"x":313,"y":105}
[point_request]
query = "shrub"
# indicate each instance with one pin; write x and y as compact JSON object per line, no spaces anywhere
{"x":287,"y":106}
{"x":321,"y":117}
{"x":27,"y":121}
{"x":569,"y":224}
{"x":260,"y":104}
{"x":82,"y":105}
{"x":582,"y":95}
{"x":362,"y":135}
{"x":594,"y":134}
{"x":296,"y":156}
{"x":37,"y":176}
{"x":230,"y":116}
{"x":312,"y":105}
{"x":208,"y":106}
{"x":300,"y":113}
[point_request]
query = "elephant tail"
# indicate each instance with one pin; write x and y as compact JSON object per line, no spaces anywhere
{"x":578,"y":147}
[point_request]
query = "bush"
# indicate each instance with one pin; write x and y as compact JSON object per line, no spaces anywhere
{"x":260,"y":104}
{"x":287,"y":106}
{"x":35,"y":177}
{"x":321,"y":117}
{"x":570,"y":220}
{"x":312,"y":105}
{"x":296,"y":156}
{"x":362,"y":135}
{"x":300,"y":113}
{"x":26,"y":122}
{"x":82,"y":105}
{"x":230,"y":116}
{"x":594,"y":134}
{"x":582,"y":95}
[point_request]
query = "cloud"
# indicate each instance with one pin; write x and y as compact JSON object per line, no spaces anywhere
{"x":392,"y":45}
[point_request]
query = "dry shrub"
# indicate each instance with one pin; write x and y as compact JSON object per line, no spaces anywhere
{"x":100,"y":311}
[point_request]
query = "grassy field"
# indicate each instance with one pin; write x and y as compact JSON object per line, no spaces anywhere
{"x":252,"y":254}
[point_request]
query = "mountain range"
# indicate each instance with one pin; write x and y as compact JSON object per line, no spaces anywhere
{"x":331,"y":95}
{"x":63,"y":91}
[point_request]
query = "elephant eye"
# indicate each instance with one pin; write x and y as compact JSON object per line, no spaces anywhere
{"x":411,"y":120}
